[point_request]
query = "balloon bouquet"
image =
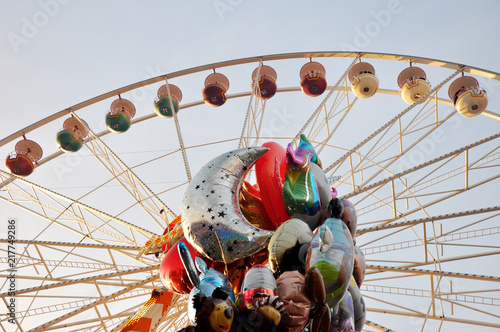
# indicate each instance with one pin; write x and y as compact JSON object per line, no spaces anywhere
{"x":279,"y":255}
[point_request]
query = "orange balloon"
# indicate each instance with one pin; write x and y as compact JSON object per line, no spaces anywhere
{"x":252,"y":207}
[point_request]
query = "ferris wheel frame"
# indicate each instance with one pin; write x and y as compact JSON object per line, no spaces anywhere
{"x":162,"y":214}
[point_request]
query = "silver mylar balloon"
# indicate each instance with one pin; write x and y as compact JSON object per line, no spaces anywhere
{"x":211,"y":217}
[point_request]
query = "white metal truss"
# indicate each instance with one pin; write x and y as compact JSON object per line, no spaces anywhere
{"x":146,"y":198}
{"x":317,"y":122}
{"x":94,"y":304}
{"x":109,"y":275}
{"x":65,"y":212}
{"x":254,"y":115}
{"x":348,"y":156}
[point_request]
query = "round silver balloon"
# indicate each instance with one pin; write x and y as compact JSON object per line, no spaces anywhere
{"x":358,"y":305}
{"x":211,"y":216}
{"x":343,"y":318}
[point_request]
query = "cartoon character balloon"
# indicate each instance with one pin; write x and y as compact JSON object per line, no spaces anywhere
{"x":304,"y":298}
{"x":259,"y":284}
{"x":306,"y":191}
{"x":292,"y":292}
{"x":332,"y":252}
{"x":358,"y":304}
{"x":212,"y":314}
{"x":300,"y":190}
{"x":350,"y":217}
{"x":259,"y":307}
{"x":359,"y":266}
{"x":343,"y":316}
{"x":205,"y":283}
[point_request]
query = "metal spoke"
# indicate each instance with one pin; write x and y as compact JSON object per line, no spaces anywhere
{"x":388,"y":124}
{"x":430,"y":178}
{"x":441,"y":318}
{"x":61,"y":210}
{"x":179,"y":135}
{"x":322,"y":104}
{"x":381,"y":268}
{"x":248,"y":125}
{"x":76,"y":281}
{"x":146,"y":198}
{"x":93,"y":304}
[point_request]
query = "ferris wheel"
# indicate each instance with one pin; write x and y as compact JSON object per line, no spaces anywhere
{"x":412,"y":142}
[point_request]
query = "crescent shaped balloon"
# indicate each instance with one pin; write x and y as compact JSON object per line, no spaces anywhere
{"x":211,"y":217}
